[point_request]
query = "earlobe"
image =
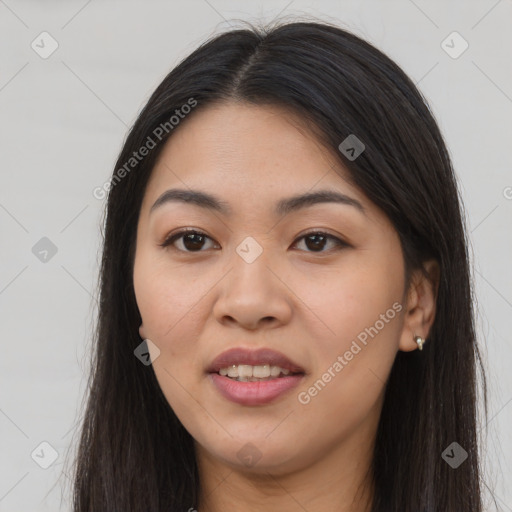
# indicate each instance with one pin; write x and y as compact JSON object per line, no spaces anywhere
{"x":420,"y":307}
{"x":141,"y":332}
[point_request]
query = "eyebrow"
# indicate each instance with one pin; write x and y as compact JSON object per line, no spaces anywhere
{"x":282,"y":208}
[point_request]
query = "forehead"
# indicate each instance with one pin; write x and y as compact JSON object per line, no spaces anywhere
{"x":247,"y":153}
{"x":229,"y":133}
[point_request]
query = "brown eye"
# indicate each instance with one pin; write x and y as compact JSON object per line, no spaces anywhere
{"x":192,"y":241}
{"x":316,"y":241}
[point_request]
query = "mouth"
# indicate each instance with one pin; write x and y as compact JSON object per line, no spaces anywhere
{"x":257,"y":373}
{"x":254,"y":377}
{"x":261,"y":364}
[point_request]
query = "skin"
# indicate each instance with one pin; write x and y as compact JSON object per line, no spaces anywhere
{"x":308,"y":303}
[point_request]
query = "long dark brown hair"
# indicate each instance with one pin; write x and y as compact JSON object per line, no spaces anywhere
{"x":134,"y":454}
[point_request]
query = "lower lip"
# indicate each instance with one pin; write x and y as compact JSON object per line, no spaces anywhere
{"x":254,"y":393}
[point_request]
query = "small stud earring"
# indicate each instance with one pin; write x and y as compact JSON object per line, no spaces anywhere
{"x":420,"y":341}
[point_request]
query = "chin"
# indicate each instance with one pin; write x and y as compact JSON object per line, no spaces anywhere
{"x":257,"y":455}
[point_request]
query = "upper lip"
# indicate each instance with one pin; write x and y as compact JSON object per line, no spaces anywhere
{"x":261,"y":356}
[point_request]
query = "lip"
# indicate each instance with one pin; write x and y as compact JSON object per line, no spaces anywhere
{"x":254,"y":393}
{"x":253,"y":357}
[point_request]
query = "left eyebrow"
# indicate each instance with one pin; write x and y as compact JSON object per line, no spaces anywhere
{"x":282,"y":208}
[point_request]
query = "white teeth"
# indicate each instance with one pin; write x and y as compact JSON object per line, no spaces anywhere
{"x":247,"y":372}
{"x":244,"y":371}
{"x":233,"y":371}
{"x":261,"y":371}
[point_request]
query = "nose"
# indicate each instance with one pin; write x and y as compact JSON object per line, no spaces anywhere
{"x":253,"y":295}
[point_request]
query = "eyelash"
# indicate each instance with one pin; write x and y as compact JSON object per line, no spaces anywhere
{"x":170,"y":239}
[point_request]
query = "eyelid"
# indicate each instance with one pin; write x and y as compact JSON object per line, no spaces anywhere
{"x":181,"y":232}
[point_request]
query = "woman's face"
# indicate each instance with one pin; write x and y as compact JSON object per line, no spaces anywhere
{"x":258,"y":277}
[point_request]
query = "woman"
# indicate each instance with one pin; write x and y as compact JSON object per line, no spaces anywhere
{"x":285,"y":319}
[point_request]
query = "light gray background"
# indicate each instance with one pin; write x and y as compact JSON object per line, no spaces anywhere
{"x":63,"y":120}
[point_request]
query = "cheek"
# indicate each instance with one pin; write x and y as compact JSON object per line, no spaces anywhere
{"x":349,"y":299}
{"x":170,"y":307}
{"x":361,"y":320}
{"x":169,"y":300}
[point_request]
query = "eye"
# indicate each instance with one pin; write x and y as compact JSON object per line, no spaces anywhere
{"x":193,"y":240}
{"x":317,"y":240}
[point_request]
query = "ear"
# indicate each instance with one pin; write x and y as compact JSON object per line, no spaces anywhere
{"x":141,"y":332}
{"x":420,"y":307}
